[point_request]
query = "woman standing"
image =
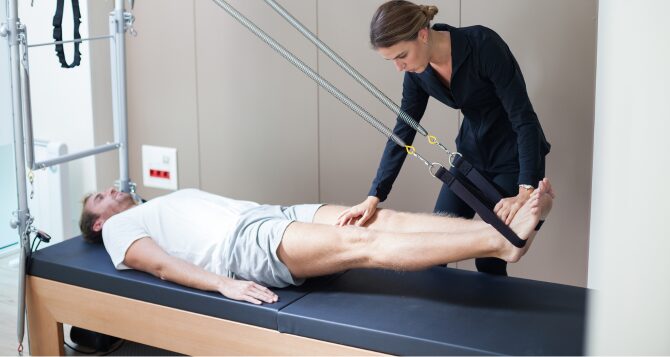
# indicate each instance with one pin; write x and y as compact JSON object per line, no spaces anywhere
{"x":471,"y":69}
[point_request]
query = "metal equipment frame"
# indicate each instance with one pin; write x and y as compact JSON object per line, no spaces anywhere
{"x":24,"y":159}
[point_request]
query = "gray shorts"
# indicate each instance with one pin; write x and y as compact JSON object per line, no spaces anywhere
{"x":251,"y":249}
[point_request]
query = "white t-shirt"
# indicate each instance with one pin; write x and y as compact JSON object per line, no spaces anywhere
{"x":189,"y":224}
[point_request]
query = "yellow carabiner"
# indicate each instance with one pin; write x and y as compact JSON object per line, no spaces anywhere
{"x":410,"y":150}
{"x":432,"y":140}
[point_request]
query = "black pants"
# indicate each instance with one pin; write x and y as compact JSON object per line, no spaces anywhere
{"x":448,"y":202}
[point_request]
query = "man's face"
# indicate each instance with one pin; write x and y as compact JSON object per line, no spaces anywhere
{"x":108,"y":203}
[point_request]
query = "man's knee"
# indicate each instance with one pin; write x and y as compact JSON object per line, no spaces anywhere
{"x":356,"y":243}
{"x":387,"y":216}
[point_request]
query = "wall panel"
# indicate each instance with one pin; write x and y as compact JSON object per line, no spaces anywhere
{"x":161,"y":88}
{"x":258,"y":114}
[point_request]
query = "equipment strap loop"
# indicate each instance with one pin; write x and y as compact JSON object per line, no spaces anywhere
{"x":58,"y":33}
{"x":475,"y":199}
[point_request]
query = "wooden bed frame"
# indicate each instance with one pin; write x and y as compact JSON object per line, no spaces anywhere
{"x":50,"y":304}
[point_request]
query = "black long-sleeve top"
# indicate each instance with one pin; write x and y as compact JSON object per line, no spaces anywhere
{"x":500,"y":132}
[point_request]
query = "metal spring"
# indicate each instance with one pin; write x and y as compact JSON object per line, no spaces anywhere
{"x":311,"y":73}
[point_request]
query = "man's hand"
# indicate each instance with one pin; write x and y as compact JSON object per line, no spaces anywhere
{"x":359,"y":214}
{"x":246,"y":291}
{"x":507,"y":208}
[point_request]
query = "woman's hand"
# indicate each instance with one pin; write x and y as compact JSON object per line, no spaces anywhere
{"x":507,"y":208}
{"x":246,"y":291}
{"x":359,"y":214}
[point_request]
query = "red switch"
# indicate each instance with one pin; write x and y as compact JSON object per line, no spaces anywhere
{"x":159,"y":174}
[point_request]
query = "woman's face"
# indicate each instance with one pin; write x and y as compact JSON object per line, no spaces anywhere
{"x":409,"y":56}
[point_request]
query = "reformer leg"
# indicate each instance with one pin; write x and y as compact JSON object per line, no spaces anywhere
{"x":45,"y":334}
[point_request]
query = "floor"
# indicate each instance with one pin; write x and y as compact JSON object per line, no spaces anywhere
{"x":9,"y":286}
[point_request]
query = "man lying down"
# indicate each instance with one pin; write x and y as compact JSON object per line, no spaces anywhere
{"x":237,"y":248}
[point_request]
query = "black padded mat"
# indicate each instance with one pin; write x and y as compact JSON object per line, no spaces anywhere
{"x":87,"y":265}
{"x":442,"y":311}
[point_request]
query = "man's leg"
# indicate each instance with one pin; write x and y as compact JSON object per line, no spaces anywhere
{"x":310,"y":249}
{"x":388,"y":220}
{"x":403,"y":222}
{"x":313,"y":249}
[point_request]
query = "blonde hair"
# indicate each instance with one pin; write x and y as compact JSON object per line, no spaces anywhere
{"x":399,"y":20}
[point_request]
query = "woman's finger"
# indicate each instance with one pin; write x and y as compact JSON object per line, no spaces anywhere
{"x":511,"y":215}
{"x":363,"y":219}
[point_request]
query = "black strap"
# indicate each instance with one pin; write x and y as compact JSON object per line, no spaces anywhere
{"x":485,"y":187}
{"x":477,"y":179}
{"x":58,"y":33}
{"x":466,"y":191}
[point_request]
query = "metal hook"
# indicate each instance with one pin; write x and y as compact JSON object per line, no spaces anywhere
{"x":452,"y":156}
{"x":433,"y":165}
{"x":129,"y":21}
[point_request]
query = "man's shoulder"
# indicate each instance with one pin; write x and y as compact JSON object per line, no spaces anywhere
{"x":122,"y":217}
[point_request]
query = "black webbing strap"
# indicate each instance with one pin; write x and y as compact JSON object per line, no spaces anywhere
{"x":477,"y":179}
{"x":58,"y":33}
{"x":484,"y":186}
{"x":464,"y":189}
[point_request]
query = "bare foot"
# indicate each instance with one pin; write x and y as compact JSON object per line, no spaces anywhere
{"x":535,"y":209}
{"x":546,"y":201}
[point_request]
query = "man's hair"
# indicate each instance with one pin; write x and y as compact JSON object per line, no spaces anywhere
{"x":86,"y":222}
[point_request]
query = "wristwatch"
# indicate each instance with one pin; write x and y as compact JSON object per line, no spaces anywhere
{"x":527,"y":187}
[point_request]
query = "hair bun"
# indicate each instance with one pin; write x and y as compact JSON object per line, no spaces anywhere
{"x":429,"y":10}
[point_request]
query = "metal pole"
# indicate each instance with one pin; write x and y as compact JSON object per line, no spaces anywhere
{"x":28,"y":122}
{"x":118,"y":61}
{"x":70,"y":41}
{"x":23,"y":214}
{"x":27,"y":105}
{"x":78,"y":155}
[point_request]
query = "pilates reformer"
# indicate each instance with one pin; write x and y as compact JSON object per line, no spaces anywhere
{"x":469,"y":184}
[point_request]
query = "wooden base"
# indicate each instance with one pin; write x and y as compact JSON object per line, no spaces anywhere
{"x":50,"y":304}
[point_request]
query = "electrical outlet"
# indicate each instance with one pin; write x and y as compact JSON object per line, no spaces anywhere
{"x":159,"y":167}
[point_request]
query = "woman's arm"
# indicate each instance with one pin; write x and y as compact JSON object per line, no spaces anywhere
{"x":145,"y":255}
{"x":501,"y":68}
{"x":414,"y":103}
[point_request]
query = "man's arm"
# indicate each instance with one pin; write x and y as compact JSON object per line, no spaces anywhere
{"x":145,"y":255}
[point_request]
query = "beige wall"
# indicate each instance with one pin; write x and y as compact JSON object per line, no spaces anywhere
{"x":555,"y":45}
{"x":247,"y":124}
{"x":257,"y":113}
